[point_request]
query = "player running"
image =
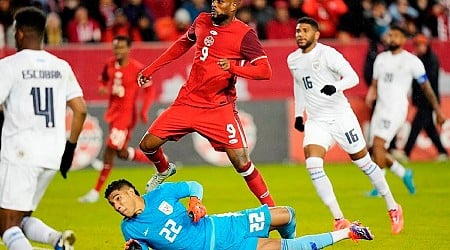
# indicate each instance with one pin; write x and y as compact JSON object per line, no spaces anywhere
{"x":321,"y":74}
{"x":118,"y":81}
{"x":159,"y":220}
{"x":225,"y":48}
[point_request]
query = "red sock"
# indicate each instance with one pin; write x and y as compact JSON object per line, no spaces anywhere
{"x":103,"y":176}
{"x":139,"y":156}
{"x":257,"y":185}
{"x":159,"y":159}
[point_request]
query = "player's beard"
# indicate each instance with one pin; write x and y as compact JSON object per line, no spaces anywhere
{"x":306,"y":45}
{"x":219,"y":18}
{"x":393,"y":47}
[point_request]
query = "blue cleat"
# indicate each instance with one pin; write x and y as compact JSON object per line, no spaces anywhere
{"x":373,"y":193}
{"x":408,"y":181}
{"x":359,"y":232}
{"x":288,"y":231}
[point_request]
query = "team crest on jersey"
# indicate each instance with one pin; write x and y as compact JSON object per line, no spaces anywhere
{"x":165,"y":208}
{"x":209,"y":41}
{"x":213,"y":32}
{"x":315,"y":65}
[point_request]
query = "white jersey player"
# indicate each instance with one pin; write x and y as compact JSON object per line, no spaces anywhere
{"x":35,"y":89}
{"x":320,"y":75}
{"x":393,"y":74}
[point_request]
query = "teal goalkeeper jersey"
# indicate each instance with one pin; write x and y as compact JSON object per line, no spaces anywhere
{"x":164,"y":223}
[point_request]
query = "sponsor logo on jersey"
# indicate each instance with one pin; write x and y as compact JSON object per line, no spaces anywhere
{"x":89,"y":143}
{"x":315,"y":65}
{"x":208,"y":41}
{"x":207,"y":152}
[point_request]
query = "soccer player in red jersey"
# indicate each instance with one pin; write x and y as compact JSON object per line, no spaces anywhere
{"x":225,"y":48}
{"x":118,"y":80}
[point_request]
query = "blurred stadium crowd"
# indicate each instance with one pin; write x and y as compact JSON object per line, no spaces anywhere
{"x":95,"y":21}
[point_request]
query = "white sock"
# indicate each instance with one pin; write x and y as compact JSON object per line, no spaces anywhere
{"x":37,"y":230}
{"x":14,"y":239}
{"x":130,"y":153}
{"x":323,"y":186}
{"x":377,"y":178}
{"x":397,"y":169}
{"x":340,"y":234}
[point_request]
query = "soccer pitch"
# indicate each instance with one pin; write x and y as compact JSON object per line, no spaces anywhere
{"x":427,"y":213}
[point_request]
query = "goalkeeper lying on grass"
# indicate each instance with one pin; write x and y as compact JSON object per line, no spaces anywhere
{"x":159,"y":220}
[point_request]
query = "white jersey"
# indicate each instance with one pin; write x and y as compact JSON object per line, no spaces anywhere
{"x":34,"y":88}
{"x":394,"y":74}
{"x":311,"y":71}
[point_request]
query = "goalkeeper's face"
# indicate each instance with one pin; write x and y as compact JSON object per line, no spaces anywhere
{"x":125,"y":201}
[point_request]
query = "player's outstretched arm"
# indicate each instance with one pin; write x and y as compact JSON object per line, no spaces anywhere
{"x":177,"y":49}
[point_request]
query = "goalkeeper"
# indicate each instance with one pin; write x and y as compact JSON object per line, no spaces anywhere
{"x":159,"y":220}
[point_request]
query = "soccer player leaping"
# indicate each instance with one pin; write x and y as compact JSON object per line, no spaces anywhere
{"x":224,"y":49}
{"x":321,"y":74}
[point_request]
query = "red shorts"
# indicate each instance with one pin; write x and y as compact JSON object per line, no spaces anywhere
{"x":118,"y":135}
{"x":221,"y":126}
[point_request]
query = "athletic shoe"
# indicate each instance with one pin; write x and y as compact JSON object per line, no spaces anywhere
{"x":288,"y":231}
{"x":442,"y":157}
{"x":396,"y":216}
{"x":373,"y":193}
{"x":408,"y":181}
{"x":158,"y":178}
{"x":66,"y":241}
{"x":359,"y":232}
{"x":341,"y":224}
{"x":90,"y":197}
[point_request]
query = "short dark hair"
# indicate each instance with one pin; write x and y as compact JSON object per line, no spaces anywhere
{"x":123,"y":38}
{"x":310,"y":21}
{"x":398,"y":28}
{"x":117,"y":185}
{"x":30,"y":18}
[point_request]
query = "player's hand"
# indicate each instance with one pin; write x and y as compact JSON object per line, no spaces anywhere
{"x":224,"y":64}
{"x":144,"y":81}
{"x":132,"y":244}
{"x":440,"y":118}
{"x":299,"y":124}
{"x":328,"y":90}
{"x":67,"y":158}
{"x":196,"y":209}
{"x":144,"y":117}
{"x":103,"y":90}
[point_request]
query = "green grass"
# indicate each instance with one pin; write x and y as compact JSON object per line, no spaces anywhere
{"x":427,"y":214}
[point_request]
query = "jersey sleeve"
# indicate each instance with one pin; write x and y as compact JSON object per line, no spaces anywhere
{"x":418,"y":71}
{"x":177,"y":190}
{"x":376,"y":68}
{"x":73,"y":87}
{"x":338,"y":63}
{"x":251,"y":48}
{"x":5,"y":84}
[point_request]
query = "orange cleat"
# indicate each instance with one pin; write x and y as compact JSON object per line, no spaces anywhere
{"x":341,"y":224}
{"x":396,"y":219}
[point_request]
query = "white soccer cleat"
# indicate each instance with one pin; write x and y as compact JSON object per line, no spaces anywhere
{"x":158,"y":178}
{"x":66,"y":241}
{"x":91,"y":197}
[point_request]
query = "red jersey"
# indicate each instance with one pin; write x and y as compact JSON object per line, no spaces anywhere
{"x":123,"y":91}
{"x":208,"y":85}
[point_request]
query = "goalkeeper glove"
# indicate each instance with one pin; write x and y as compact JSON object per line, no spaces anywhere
{"x":67,"y":158}
{"x":196,"y":209}
{"x":299,"y":124}
{"x":132,"y":244}
{"x":328,"y":90}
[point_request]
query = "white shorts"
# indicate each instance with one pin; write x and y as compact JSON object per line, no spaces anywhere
{"x":386,"y":124}
{"x":345,"y":131}
{"x":22,"y":187}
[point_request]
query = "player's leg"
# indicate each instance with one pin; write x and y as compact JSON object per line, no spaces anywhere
{"x":283,"y":219}
{"x":12,"y":235}
{"x":416,"y":127}
{"x":316,"y":142}
{"x":317,"y":241}
{"x":35,"y":229}
{"x":171,"y":124}
{"x":432,"y":133}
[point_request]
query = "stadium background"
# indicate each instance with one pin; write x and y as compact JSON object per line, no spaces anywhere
{"x":266,"y":107}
